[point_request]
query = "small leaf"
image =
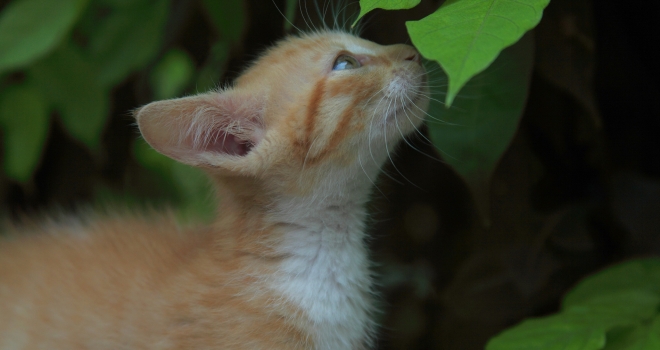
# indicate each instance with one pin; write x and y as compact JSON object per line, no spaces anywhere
{"x":228,"y":18}
{"x":466,"y":36}
{"x":24,"y":121}
{"x":172,"y":74}
{"x":634,"y":275}
{"x":31,"y":28}
{"x":367,"y":6}
{"x":290,"y":14}
{"x":127,"y":39}
{"x":476,"y":131}
{"x":69,"y":82}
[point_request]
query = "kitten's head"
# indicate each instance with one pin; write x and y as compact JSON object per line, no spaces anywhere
{"x":322,"y":101}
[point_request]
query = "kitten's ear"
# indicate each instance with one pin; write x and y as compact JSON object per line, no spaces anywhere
{"x":210,"y":129}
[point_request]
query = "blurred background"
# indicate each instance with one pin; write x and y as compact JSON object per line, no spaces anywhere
{"x":577,"y":190}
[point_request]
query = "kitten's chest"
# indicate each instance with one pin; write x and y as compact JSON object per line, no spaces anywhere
{"x":326,"y":276}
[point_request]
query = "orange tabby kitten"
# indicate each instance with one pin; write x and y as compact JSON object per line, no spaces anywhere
{"x":293,"y":147}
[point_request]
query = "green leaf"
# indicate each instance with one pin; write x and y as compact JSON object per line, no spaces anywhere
{"x":634,"y":275}
{"x":228,"y":18}
{"x":290,"y":13}
{"x":172,"y":74}
{"x":580,"y":327}
{"x":466,"y":36}
{"x":214,"y":67}
{"x":367,"y":6}
{"x":24,"y":121}
{"x":644,"y":336}
{"x":128,"y":39}
{"x":31,"y":28}
{"x":614,"y":309}
{"x":476,"y":131}
{"x":70,"y":83}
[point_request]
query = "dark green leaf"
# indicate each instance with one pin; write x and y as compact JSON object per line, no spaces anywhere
{"x":466,"y":36}
{"x":475,"y":132}
{"x":128,"y":39}
{"x":24,"y":121}
{"x":70,"y":84}
{"x":643,"y":336}
{"x":31,"y":28}
{"x":290,"y":13}
{"x":172,"y":74}
{"x":228,"y":18}
{"x":214,"y":67}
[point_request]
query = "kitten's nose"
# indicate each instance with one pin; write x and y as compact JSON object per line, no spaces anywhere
{"x":408,"y":53}
{"x":414,"y":56}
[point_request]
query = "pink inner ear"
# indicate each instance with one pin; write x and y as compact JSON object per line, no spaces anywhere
{"x":224,"y":142}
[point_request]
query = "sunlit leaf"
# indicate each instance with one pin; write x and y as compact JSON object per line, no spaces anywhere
{"x":128,"y":39}
{"x":465,"y":36}
{"x":367,"y":6}
{"x":31,"y":28}
{"x":476,"y":131}
{"x":228,"y":18}
{"x":24,"y":121}
{"x":70,"y":83}
{"x":633,"y":275}
{"x":614,"y":309}
{"x":580,"y":327}
{"x":172,"y":74}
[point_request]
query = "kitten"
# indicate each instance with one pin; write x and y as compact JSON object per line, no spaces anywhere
{"x":293,"y":147}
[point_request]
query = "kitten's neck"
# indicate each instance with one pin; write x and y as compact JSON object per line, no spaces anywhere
{"x":326,"y":272}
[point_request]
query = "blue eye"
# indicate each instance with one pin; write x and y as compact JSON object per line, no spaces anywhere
{"x":345,"y":62}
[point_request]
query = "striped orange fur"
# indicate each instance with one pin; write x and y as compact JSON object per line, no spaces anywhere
{"x":293,"y":148}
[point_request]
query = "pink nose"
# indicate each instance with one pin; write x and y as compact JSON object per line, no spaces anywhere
{"x":414,"y":57}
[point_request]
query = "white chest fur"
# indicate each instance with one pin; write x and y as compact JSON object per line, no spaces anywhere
{"x":326,"y":272}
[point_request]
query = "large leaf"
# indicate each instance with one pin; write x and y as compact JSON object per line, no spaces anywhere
{"x":614,"y":309}
{"x":31,"y":28}
{"x":475,"y":132}
{"x":172,"y":74}
{"x":465,"y":36}
{"x":24,"y":121}
{"x":645,"y":336}
{"x":228,"y":17}
{"x":633,"y":275}
{"x":70,"y":84}
{"x":580,"y":327}
{"x":128,"y":39}
{"x":369,"y":5}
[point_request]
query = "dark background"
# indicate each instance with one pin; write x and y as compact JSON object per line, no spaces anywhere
{"x":578,"y":189}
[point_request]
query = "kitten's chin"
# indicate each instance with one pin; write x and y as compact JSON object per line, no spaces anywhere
{"x":409,"y":116}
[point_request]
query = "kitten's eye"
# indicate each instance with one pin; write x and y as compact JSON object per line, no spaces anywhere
{"x":345,"y":62}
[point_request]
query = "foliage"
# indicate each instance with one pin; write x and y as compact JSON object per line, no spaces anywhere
{"x":478,"y":129}
{"x":465,"y":37}
{"x":614,"y":309}
{"x":367,"y":6}
{"x":63,"y":59}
